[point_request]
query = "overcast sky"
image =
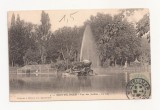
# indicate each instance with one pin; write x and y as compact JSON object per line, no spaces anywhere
{"x":77,"y":18}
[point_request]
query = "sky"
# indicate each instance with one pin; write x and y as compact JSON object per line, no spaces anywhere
{"x":60,"y":18}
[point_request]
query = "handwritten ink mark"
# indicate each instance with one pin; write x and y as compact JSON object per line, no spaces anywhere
{"x":71,"y":17}
{"x":73,"y":14}
{"x":62,"y":18}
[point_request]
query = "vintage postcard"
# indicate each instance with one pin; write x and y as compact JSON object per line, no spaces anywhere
{"x":79,"y":54}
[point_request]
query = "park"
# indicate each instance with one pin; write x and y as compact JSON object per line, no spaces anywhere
{"x":101,"y":55}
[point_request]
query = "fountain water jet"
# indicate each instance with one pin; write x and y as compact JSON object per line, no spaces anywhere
{"x":89,"y":48}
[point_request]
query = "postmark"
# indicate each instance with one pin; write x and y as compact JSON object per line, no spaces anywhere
{"x":138,"y":88}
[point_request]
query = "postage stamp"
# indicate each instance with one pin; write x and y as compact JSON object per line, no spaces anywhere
{"x":79,"y":54}
{"x":138,"y":88}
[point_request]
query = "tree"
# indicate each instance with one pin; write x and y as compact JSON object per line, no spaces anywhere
{"x":12,"y":49}
{"x":143,"y":27}
{"x":144,"y":56}
{"x":43,"y":35}
{"x":32,"y":55}
{"x":65,"y":43}
{"x":15,"y":41}
{"x":19,"y":40}
{"x":143,"y":31}
{"x":116,"y":38}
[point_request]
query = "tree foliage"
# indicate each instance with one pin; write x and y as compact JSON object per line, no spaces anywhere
{"x":42,"y":35}
{"x":19,"y":40}
{"x":143,"y":27}
{"x":116,"y":38}
{"x":65,"y":43}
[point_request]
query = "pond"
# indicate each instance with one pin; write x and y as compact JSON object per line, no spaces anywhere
{"x":113,"y":83}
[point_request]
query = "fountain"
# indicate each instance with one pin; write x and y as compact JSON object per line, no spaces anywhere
{"x":89,"y":48}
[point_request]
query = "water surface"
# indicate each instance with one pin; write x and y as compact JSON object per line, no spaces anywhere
{"x":111,"y":83}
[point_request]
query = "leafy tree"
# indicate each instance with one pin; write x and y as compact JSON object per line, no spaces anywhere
{"x":12,"y":49}
{"x":143,"y":27}
{"x":19,"y":40}
{"x":43,"y":34}
{"x":116,"y":38}
{"x":144,"y":56}
{"x":143,"y":31}
{"x":66,"y":44}
{"x":32,"y":55}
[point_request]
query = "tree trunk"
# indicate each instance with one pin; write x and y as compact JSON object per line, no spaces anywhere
{"x":67,"y":63}
{"x":115,"y":62}
{"x":42,"y":59}
{"x":121,"y":61}
{"x":63,"y":55}
{"x":68,"y":54}
{"x":12,"y":63}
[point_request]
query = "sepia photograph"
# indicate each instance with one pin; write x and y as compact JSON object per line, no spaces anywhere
{"x":84,"y":54}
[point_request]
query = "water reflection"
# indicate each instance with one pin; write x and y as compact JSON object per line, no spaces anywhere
{"x":111,"y":83}
{"x":85,"y":83}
